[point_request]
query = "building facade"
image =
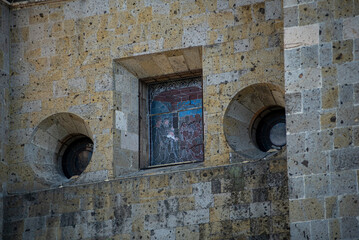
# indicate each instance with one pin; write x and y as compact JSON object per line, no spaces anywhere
{"x":156,"y":119}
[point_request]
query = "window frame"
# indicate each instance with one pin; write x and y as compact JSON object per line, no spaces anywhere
{"x":144,"y":115}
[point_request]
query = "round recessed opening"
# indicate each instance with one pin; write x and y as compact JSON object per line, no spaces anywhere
{"x":77,"y":153}
{"x":48,"y":151}
{"x":254,"y":122}
{"x":269,"y":130}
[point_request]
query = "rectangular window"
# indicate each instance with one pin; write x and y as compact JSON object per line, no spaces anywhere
{"x":175,"y":121}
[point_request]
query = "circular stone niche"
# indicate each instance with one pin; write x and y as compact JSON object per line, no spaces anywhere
{"x":60,"y":148}
{"x":254,"y":121}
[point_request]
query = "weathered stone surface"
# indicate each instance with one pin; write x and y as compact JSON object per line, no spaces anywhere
{"x":348,"y":73}
{"x":350,"y":28}
{"x":349,"y":227}
{"x":301,"y":36}
{"x":303,"y":79}
{"x":64,"y":57}
{"x":303,"y":122}
{"x":300,"y":230}
{"x":319,"y":229}
{"x":317,"y":185}
{"x":108,"y":208}
{"x":343,"y":182}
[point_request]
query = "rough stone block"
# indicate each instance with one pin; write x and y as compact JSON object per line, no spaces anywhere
{"x":342,"y":51}
{"x":196,"y":217}
{"x":74,"y":10}
{"x":291,"y":16}
{"x":348,"y":116}
{"x":78,"y":84}
{"x":329,"y":76}
{"x":292,"y":59}
{"x":293,"y":102}
{"x":121,"y":120}
{"x":34,"y":224}
{"x":343,"y":182}
{"x":223,"y":78}
{"x":129,"y":141}
{"x":301,"y":79}
{"x":85,"y":110}
{"x":306,"y":209}
{"x":203,"y":195}
{"x":239,"y":212}
{"x":346,"y":94}
{"x":301,"y":36}
{"x":218,"y":214}
{"x":351,"y":27}
{"x":317,"y":185}
{"x":303,"y":122}
{"x":344,"y":159}
{"x":331,"y":207}
{"x":296,"y":187}
{"x":308,"y":14}
{"x":273,"y":9}
{"x":325,"y":54}
{"x":309,"y":56}
{"x":349,"y":205}
{"x":300,"y":230}
{"x":104,"y":83}
{"x":311,"y":100}
{"x":325,"y":10}
{"x":195,"y":35}
{"x":19,"y":80}
{"x":334,"y":229}
{"x":32,"y":106}
{"x":343,"y":137}
{"x":331,"y":31}
{"x":260,"y":195}
{"x":243,"y":45}
{"x":348,"y":73}
{"x":343,"y":9}
{"x":260,"y":226}
{"x":259,"y":209}
{"x":356,"y":93}
{"x":319,"y":229}
{"x":307,"y":163}
{"x":356,"y":136}
{"x":349,"y":228}
{"x":328,"y":120}
{"x":356,"y":49}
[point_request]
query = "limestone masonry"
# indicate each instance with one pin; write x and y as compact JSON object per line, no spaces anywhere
{"x":83,"y":68}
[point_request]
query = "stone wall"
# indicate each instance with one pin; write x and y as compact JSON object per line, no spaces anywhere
{"x":67,"y":59}
{"x":321,"y":63}
{"x":232,"y":202}
{"x":64,"y":60}
{"x":4,"y":102}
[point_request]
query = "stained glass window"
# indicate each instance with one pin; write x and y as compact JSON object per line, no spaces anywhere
{"x":176,"y":122}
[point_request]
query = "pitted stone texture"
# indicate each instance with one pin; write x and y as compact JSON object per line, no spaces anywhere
{"x":303,"y":122}
{"x":301,"y":36}
{"x":309,"y":56}
{"x":303,"y":79}
{"x":343,"y":182}
{"x":223,"y":78}
{"x":348,"y":73}
{"x":273,"y":9}
{"x":74,"y":10}
{"x":351,"y":27}
{"x":300,"y":230}
{"x":140,"y":206}
{"x":319,"y":229}
{"x":349,"y":228}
